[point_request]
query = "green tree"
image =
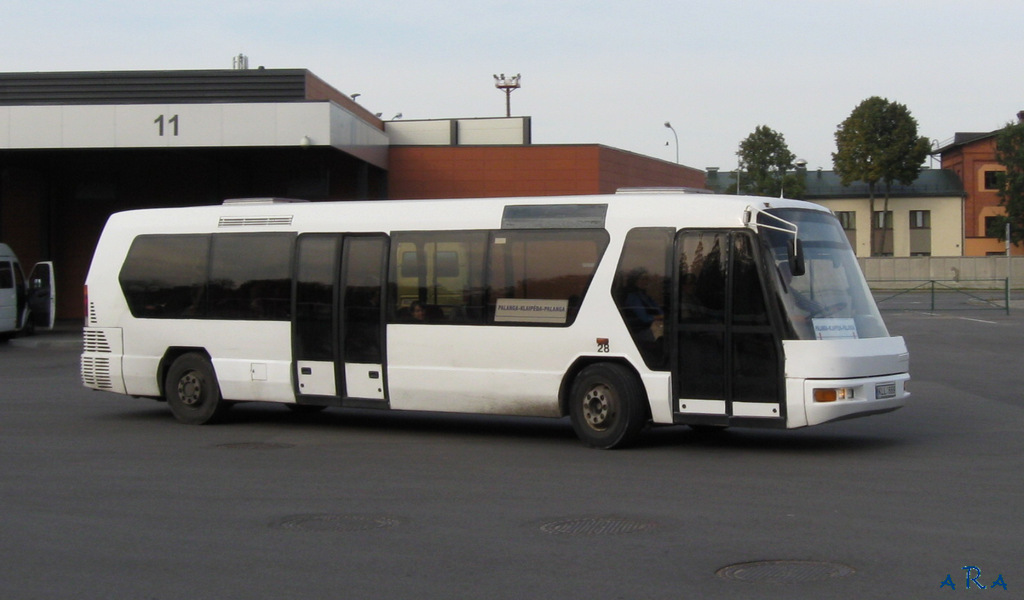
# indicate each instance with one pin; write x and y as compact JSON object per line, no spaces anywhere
{"x":764,"y":160}
{"x":878,"y":143}
{"x":1010,"y":154}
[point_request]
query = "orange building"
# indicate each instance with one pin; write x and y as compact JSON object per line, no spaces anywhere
{"x":972,"y":156}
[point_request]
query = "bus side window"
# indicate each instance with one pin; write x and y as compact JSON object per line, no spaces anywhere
{"x":164,"y":276}
{"x":542,"y":272}
{"x":250,"y":276}
{"x":642,"y":290}
{"x":437,"y":277}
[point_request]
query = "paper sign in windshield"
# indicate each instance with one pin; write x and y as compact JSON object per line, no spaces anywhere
{"x":835,"y":329}
{"x":514,"y":310}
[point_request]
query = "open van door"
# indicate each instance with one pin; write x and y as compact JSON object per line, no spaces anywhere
{"x":42,"y":296}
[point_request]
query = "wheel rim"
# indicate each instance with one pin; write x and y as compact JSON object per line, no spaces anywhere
{"x":598,"y":408}
{"x":190,"y":389}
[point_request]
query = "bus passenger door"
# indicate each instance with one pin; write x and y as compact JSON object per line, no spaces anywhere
{"x":338,"y":327}
{"x":727,"y":357}
{"x":364,"y":260}
{"x":315,"y":328}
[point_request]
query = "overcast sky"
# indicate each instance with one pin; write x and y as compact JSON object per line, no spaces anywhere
{"x":592,"y":72}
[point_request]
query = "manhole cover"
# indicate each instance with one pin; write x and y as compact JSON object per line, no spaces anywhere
{"x":785,"y":571}
{"x":255,"y":446}
{"x":336,"y":522}
{"x":595,"y":526}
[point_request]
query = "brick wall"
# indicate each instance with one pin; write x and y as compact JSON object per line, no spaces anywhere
{"x":548,"y":170}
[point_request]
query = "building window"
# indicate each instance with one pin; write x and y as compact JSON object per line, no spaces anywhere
{"x":994,"y":179}
{"x":882,"y":220}
{"x":993,"y":227}
{"x":848,"y":219}
{"x":920,"y":219}
{"x":920,"y":233}
{"x":881,"y":233}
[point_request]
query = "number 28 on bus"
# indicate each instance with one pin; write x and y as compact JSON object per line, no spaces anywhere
{"x":623,"y":311}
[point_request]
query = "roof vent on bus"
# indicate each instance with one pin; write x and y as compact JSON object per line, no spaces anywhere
{"x":235,"y":201}
{"x":283,"y":220}
{"x":663,"y":190}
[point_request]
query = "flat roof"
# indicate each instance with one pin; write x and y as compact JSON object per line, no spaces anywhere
{"x":147,"y":87}
{"x":184,"y":109}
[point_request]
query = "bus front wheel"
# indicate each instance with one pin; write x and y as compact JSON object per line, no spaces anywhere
{"x":607,"y":406}
{"x":192,"y":391}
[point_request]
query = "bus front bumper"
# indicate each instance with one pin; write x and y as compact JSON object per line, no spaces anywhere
{"x":836,"y":399}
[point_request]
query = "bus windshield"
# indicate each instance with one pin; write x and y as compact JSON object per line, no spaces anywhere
{"x":831,"y":300}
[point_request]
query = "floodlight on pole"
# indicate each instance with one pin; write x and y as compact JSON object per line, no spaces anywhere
{"x":507,"y":85}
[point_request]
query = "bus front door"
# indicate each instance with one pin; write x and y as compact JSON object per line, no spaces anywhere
{"x":727,"y":364}
{"x":339,"y":319}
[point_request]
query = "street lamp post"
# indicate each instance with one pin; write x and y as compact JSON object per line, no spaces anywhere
{"x":669,"y":125}
{"x":799,"y":165}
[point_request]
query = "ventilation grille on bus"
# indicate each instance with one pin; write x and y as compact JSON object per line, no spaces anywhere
{"x":253,"y":221}
{"x":95,"y":340}
{"x":92,"y":313}
{"x":663,"y":190}
{"x":96,"y":373}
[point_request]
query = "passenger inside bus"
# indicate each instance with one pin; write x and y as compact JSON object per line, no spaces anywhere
{"x":645,"y":317}
{"x":420,"y":312}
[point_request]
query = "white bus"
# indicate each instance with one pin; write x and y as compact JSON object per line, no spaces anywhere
{"x":619,"y":311}
{"x":25,"y":304}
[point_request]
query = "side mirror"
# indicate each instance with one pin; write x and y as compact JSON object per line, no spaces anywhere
{"x":795,"y":251}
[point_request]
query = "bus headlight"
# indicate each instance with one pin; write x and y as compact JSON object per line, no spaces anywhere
{"x":832,"y":394}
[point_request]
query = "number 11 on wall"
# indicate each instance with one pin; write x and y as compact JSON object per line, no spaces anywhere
{"x":172,"y":124}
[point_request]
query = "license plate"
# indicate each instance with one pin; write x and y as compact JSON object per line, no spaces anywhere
{"x":885,"y":390}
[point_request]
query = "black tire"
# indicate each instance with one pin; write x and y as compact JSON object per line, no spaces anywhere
{"x":192,"y":391}
{"x":607,"y":406}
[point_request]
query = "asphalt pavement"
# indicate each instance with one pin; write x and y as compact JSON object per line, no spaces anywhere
{"x":107,"y":496}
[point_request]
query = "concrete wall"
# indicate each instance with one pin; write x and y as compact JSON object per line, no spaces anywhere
{"x":499,"y":131}
{"x":968,"y":271}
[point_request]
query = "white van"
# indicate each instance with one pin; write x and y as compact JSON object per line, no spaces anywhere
{"x":25,"y":304}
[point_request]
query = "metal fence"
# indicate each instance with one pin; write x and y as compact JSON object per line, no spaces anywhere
{"x":937,"y":295}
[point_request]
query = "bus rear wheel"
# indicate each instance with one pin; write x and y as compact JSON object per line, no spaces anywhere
{"x":192,"y":391}
{"x":606,"y":406}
